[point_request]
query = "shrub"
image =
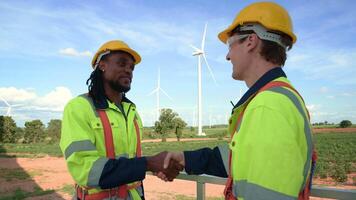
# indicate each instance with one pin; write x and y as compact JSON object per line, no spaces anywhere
{"x":345,"y":124}
{"x":339,"y":173}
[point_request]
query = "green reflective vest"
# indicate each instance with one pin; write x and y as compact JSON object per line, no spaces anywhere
{"x":271,"y":147}
{"x":83,"y":143}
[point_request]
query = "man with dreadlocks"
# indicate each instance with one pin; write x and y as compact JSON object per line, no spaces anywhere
{"x":101,"y":132}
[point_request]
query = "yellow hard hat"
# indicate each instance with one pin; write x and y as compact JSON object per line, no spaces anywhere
{"x":270,"y":15}
{"x":114,"y":45}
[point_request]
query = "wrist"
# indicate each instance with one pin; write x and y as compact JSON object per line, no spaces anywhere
{"x":148,"y":163}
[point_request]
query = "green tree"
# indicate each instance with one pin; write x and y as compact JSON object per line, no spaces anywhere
{"x":19,"y":134}
{"x":345,"y":123}
{"x":54,"y":129}
{"x":7,"y":129}
{"x":34,"y":132}
{"x":179,"y":125}
{"x":165,"y":123}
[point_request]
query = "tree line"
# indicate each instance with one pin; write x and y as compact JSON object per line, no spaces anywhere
{"x":36,"y":132}
{"x":342,"y":124}
{"x":33,"y":132}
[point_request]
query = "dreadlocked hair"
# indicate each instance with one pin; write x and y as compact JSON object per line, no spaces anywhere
{"x":95,"y":84}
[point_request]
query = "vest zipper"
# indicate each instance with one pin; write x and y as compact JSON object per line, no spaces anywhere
{"x":127,"y":130}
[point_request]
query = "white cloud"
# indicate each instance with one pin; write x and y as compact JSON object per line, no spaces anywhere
{"x":54,"y":100}
{"x":297,"y":58}
{"x":324,"y":89}
{"x":73,"y":52}
{"x":318,"y":63}
{"x":12,"y":94}
{"x":313,"y":107}
{"x":33,"y":106}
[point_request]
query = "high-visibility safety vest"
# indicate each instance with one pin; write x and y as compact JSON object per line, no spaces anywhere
{"x":90,"y":137}
{"x":271,"y":150}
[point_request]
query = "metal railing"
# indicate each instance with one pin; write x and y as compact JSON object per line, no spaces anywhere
{"x":323,"y":192}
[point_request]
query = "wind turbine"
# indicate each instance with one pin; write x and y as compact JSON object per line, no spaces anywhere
{"x":201,"y":53}
{"x":157,"y":91}
{"x":9,"y":107}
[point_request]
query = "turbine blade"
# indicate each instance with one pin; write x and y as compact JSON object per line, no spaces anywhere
{"x":8,"y":113}
{"x":194,"y":47}
{"x":5,"y":101}
{"x":203,"y":40}
{"x":211,"y":72}
{"x":152,"y":92}
{"x":166,"y":94}
{"x":159,"y":78}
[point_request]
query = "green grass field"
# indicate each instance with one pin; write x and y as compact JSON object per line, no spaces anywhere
{"x":213,"y":132}
{"x":20,"y":194}
{"x":336,"y":151}
{"x":336,"y":155}
{"x":149,"y":148}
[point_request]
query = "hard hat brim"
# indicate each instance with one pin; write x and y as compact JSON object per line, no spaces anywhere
{"x":130,"y":51}
{"x":224,"y":35}
{"x":133,"y":53}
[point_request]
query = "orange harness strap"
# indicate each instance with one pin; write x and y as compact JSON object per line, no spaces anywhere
{"x":121,"y":191}
{"x":138,"y":139}
{"x":109,"y":143}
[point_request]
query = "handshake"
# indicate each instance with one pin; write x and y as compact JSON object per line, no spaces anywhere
{"x":166,"y":165}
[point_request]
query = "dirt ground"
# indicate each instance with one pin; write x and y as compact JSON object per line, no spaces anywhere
{"x":51,"y":173}
{"x":334,"y":130}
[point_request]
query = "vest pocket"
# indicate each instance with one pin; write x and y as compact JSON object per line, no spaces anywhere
{"x":96,"y":124}
{"x":233,"y":143}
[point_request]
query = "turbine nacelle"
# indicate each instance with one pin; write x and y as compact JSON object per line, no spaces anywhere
{"x":197,"y":53}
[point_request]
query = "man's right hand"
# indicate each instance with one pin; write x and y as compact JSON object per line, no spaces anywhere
{"x":170,"y":171}
{"x":176,"y":156}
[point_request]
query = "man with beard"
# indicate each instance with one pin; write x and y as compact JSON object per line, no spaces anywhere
{"x":101,"y":131}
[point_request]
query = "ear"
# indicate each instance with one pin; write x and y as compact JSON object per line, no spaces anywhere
{"x":252,"y":42}
{"x":102,"y":66}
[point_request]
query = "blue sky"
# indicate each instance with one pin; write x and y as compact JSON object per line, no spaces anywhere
{"x":46,"y":48}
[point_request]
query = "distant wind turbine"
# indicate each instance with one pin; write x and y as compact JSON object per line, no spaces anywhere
{"x":157,"y":91}
{"x":201,"y":53}
{"x":9,"y":106}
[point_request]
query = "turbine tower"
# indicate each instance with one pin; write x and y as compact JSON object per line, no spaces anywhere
{"x":157,"y":91}
{"x":201,"y":53}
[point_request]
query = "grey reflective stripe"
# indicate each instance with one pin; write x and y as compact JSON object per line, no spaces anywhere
{"x":307,"y":130}
{"x":224,"y":153}
{"x":139,"y":190}
{"x":77,"y":146}
{"x":251,"y":191}
{"x":129,"y":196}
{"x":95,"y":172}
{"x":85,"y":96}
